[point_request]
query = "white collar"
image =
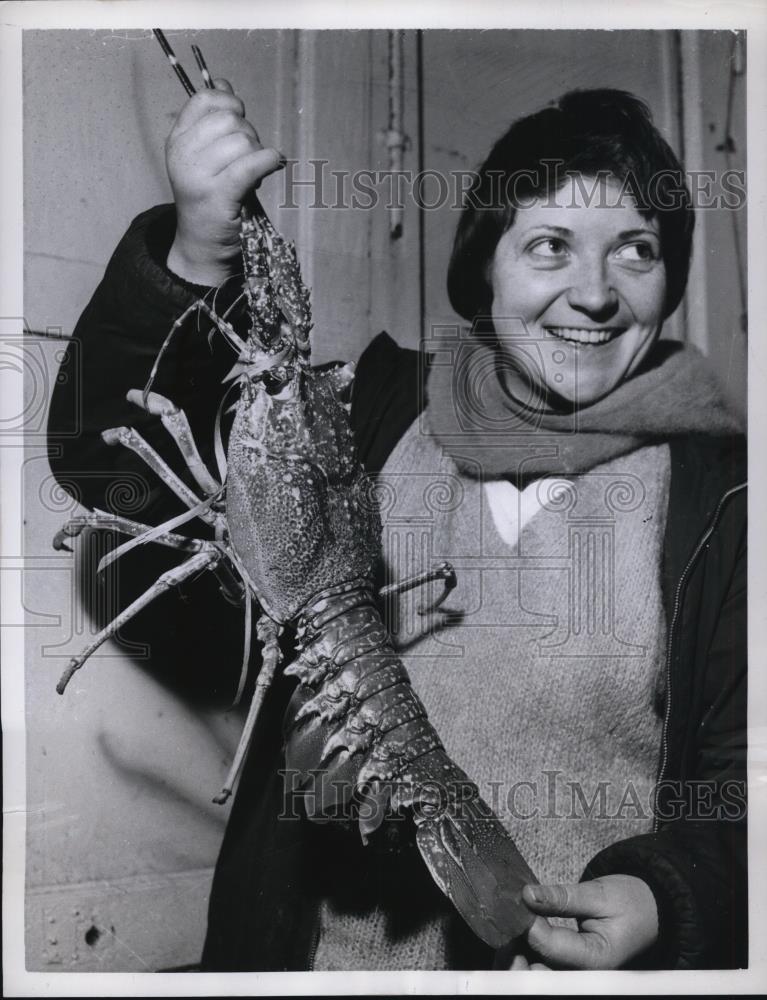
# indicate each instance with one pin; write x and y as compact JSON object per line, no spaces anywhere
{"x":512,"y":509}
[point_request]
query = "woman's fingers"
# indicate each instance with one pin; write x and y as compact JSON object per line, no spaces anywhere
{"x":198,"y":157}
{"x":560,"y":945}
{"x":213,"y":143}
{"x":212,"y":127}
{"x":225,"y":151}
{"x":521,"y":964}
{"x":571,"y":949}
{"x":198,"y":142}
{"x":248,"y":170}
{"x":220,"y":84}
{"x":586,"y":899}
{"x":203,"y":103}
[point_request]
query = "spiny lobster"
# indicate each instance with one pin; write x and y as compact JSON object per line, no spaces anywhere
{"x":295,"y":520}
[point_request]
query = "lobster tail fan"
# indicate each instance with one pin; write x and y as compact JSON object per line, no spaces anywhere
{"x":469,"y":881}
{"x":475,"y":862}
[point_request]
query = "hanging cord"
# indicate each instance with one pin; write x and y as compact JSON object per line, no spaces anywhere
{"x":396,"y":140}
{"x":727,"y":146}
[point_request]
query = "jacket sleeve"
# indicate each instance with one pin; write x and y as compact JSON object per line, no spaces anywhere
{"x":113,"y":348}
{"x":696,"y":861}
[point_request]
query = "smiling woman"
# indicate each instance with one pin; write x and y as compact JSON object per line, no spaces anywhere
{"x":579,"y":228}
{"x":585,"y":280}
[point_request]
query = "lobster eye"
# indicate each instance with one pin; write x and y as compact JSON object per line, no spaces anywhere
{"x":274,"y":381}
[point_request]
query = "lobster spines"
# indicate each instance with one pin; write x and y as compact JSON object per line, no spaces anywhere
{"x":360,"y":744}
{"x":279,"y":302}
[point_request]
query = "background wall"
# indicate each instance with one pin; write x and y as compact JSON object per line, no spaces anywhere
{"x":121,"y":832}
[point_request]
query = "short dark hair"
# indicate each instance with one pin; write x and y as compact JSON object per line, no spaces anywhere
{"x":586,"y":132}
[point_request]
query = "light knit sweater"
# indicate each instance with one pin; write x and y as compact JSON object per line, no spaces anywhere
{"x":539,"y":672}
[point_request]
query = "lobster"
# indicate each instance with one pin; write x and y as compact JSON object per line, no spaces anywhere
{"x":297,"y":531}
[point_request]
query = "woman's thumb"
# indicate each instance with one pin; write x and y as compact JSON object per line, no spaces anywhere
{"x":221,"y":84}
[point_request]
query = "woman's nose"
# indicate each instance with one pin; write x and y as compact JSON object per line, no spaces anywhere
{"x":592,"y":292}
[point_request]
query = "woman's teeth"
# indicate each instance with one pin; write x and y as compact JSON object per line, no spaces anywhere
{"x":579,"y":335}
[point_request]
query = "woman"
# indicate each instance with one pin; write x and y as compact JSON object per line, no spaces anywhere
{"x":596,"y":515}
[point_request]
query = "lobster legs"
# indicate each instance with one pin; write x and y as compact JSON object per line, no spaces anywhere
{"x":129,"y":438}
{"x":175,"y":422}
{"x":75,"y":525}
{"x":205,"y":559}
{"x":206,"y":555}
{"x":268,"y":632}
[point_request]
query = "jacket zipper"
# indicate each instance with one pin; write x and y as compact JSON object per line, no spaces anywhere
{"x":315,"y":943}
{"x":674,"y":617}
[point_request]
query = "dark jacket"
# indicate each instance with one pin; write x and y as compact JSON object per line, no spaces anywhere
{"x":274,"y":867}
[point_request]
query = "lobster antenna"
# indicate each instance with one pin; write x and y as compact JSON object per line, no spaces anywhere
{"x":178,"y":69}
{"x":252,"y":205}
{"x":202,"y":67}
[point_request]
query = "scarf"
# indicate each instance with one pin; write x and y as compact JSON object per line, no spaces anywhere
{"x":490,"y":434}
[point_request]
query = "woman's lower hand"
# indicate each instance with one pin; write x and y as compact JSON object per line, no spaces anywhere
{"x":617,"y":920}
{"x":213,"y":157}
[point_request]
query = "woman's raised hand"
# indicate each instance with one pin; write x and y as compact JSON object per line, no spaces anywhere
{"x":214,"y":157}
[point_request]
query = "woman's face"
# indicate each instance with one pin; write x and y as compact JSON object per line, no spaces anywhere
{"x":578,"y":285}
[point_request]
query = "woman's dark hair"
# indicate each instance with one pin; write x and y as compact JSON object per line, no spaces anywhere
{"x":587,"y":132}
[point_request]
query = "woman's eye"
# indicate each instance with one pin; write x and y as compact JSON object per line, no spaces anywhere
{"x":642,"y":253}
{"x":550,"y":247}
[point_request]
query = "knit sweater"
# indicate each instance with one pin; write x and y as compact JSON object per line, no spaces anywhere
{"x":539,"y":672}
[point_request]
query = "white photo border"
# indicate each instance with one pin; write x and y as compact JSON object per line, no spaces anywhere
{"x":16,"y":17}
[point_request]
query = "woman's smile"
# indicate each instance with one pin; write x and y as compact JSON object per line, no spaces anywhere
{"x":584,"y":281}
{"x":584,"y":335}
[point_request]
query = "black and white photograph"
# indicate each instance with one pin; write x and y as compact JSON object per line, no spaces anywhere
{"x":376,"y":416}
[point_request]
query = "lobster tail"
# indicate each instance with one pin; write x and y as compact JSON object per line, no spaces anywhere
{"x":358,"y":738}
